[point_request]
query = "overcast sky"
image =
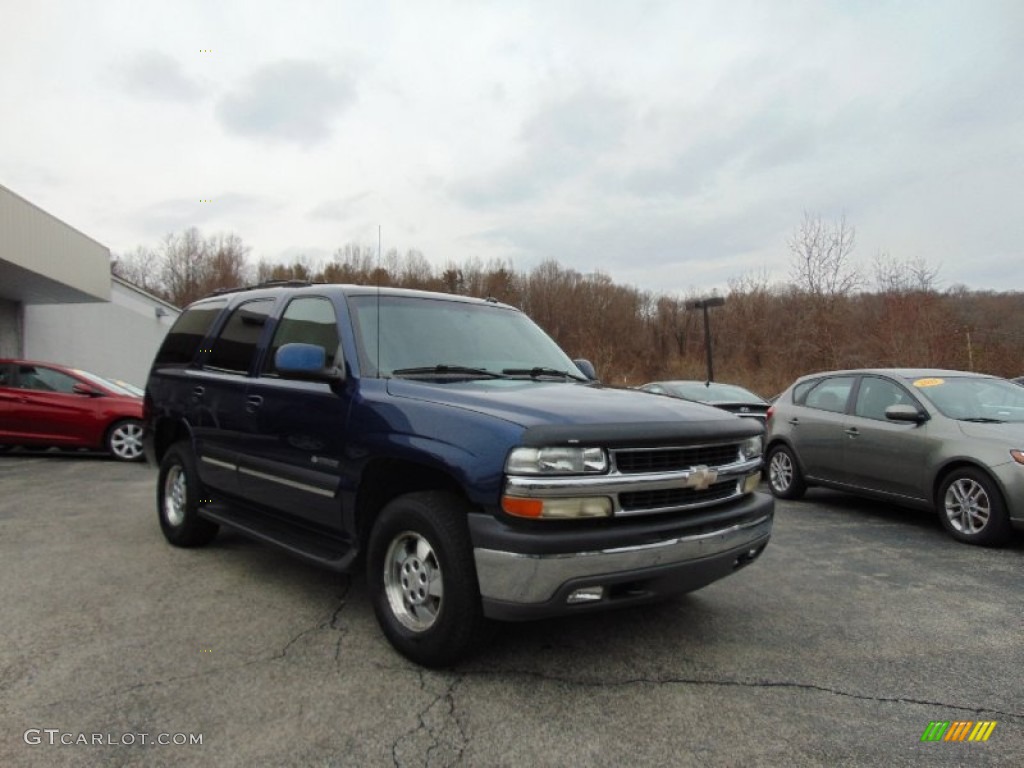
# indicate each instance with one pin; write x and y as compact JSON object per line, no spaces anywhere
{"x":672,"y":145}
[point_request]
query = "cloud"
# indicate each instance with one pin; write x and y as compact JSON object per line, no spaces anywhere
{"x":562,"y":139}
{"x":177,"y":214}
{"x":155,"y":75}
{"x":337,"y":209}
{"x":291,"y":101}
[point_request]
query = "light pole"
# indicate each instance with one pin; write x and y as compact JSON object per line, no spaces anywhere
{"x":710,"y":301}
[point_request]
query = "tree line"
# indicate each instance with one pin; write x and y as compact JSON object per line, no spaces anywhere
{"x":828,"y":315}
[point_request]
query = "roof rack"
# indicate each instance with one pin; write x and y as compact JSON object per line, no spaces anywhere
{"x":264,"y":284}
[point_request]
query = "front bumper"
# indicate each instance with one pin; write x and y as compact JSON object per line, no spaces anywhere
{"x":517,"y":585}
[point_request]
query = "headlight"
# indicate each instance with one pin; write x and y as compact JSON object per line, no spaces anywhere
{"x":556,"y":461}
{"x":751,"y":448}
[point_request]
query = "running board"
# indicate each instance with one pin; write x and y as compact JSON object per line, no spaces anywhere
{"x":324,"y":549}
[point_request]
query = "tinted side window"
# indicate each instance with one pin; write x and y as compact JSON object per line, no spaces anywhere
{"x":800,"y":391}
{"x":234,"y":349}
{"x":830,"y":394}
{"x":187,"y":333}
{"x":307,"y":321}
{"x":45,"y":379}
{"x":875,"y":395}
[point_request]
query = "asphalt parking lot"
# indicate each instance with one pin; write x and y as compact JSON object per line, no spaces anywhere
{"x":860,"y":625}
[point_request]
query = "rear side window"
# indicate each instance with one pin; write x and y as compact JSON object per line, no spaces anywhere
{"x":308,"y":321}
{"x":187,"y":333}
{"x":233,"y":350}
{"x":830,"y":394}
{"x":45,"y":379}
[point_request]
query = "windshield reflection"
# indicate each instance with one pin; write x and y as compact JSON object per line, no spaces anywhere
{"x":974,"y":399}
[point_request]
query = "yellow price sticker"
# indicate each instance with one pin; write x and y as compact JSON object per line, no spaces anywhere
{"x":929,"y":382}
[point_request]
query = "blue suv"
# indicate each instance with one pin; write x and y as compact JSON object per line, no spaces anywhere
{"x":451,"y":448}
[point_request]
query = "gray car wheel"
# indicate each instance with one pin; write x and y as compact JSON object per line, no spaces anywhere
{"x":972,"y":509}
{"x":784,"y":477}
{"x":124,"y":440}
{"x":422,"y":580}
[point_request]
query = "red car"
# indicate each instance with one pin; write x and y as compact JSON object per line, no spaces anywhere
{"x":43,"y":404}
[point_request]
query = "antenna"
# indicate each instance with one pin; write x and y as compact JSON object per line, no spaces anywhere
{"x":378,"y":299}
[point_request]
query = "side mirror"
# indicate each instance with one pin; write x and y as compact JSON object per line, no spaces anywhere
{"x":906,"y":413}
{"x":586,"y":368}
{"x":85,"y":389}
{"x":306,"y":362}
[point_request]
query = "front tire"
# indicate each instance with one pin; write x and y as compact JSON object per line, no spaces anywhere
{"x":422,"y":578}
{"x":784,"y":477}
{"x":972,"y":509}
{"x":124,"y":440}
{"x":178,"y":491}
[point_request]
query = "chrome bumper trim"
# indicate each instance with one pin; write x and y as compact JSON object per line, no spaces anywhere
{"x":518,"y":578}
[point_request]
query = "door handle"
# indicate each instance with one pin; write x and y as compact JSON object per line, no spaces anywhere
{"x":252,"y":402}
{"x":793,"y":421}
{"x":852,"y":432}
{"x":197,"y":392}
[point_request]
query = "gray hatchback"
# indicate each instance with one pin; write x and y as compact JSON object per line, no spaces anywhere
{"x":948,"y":440}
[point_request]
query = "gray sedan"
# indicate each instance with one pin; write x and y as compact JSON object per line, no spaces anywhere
{"x":948,"y":440}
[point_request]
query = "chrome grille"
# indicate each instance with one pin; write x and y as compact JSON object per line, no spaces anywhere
{"x":658,"y":480}
{"x":639,"y":460}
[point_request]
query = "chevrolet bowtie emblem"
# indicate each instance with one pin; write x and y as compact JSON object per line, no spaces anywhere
{"x":701,"y":478}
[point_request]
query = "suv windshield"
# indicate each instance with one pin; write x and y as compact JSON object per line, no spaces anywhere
{"x":424,"y":336}
{"x":974,"y":399}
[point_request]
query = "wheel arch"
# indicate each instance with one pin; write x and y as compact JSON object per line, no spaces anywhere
{"x":777,"y":441}
{"x":166,"y":432}
{"x":957,"y":464}
{"x":384,"y":479}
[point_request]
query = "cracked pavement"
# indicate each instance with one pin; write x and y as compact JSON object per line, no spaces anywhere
{"x":860,"y":625}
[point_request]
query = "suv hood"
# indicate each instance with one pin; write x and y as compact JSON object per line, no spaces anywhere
{"x":556,"y":408}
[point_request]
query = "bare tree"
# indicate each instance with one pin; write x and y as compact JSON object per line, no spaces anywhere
{"x":824,"y":279}
{"x":894,"y":275}
{"x":141,"y":267}
{"x":765,"y":335}
{"x":821,"y":257}
{"x":184,"y":266}
{"x":229,"y":266}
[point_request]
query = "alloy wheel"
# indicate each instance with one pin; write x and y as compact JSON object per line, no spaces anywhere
{"x":126,"y":441}
{"x":175,"y":496}
{"x":412,"y":581}
{"x":780,"y":471}
{"x":968,"y":507}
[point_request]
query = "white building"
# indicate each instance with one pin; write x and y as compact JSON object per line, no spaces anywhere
{"x":116,"y":339}
{"x":59,"y":302}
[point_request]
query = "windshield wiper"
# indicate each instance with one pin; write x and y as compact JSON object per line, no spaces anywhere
{"x":443,"y":368}
{"x":537,"y":371}
{"x":984,"y":420}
